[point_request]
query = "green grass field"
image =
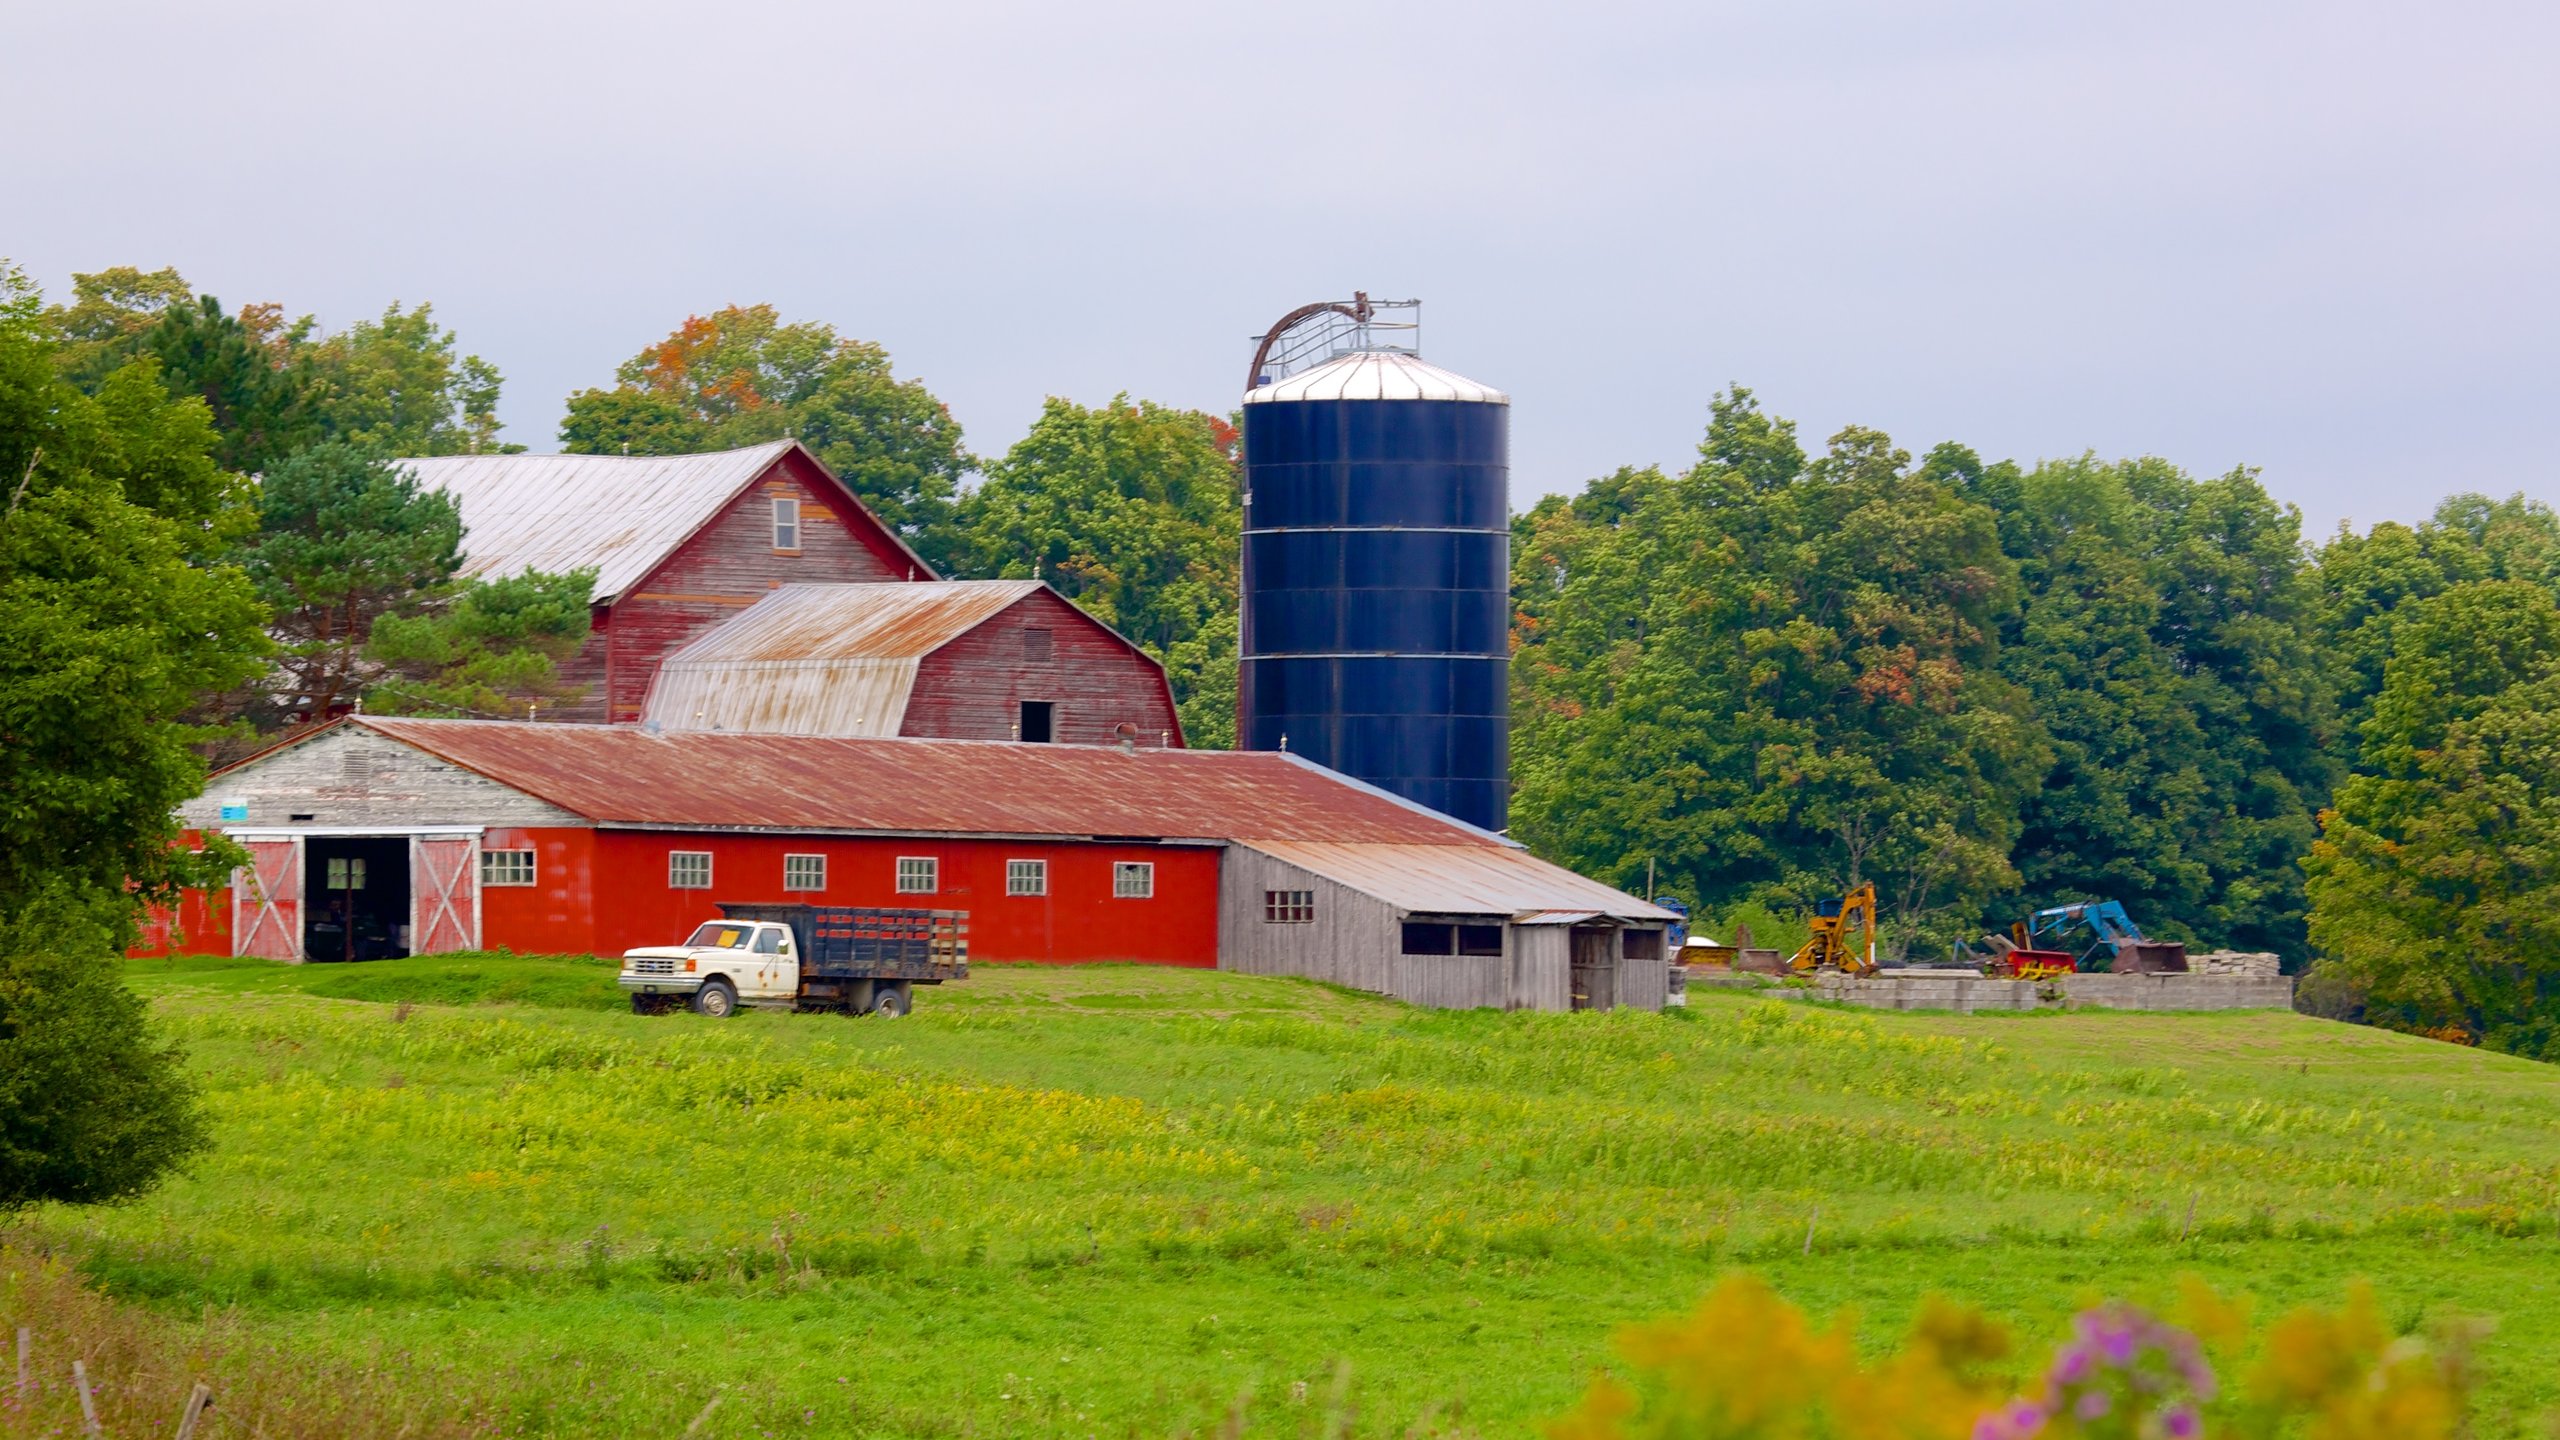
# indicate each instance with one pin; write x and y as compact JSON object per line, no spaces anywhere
{"x":1113,"y":1200}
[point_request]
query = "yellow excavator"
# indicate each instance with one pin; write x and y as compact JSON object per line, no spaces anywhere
{"x":1834,"y":921}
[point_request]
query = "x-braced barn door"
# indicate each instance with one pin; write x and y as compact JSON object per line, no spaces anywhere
{"x":266,"y":900}
{"x":444,"y":893}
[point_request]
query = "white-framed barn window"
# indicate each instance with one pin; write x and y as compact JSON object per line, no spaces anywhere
{"x":1026,"y":877}
{"x":919,"y":875}
{"x":688,"y":869}
{"x":506,"y":867}
{"x":786,"y":523}
{"x":1288,"y":907}
{"x":804,"y":872}
{"x":1133,"y":880}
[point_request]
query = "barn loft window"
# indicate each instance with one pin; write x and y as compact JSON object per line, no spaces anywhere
{"x":1288,"y":907}
{"x":1643,"y":945}
{"x":1026,"y":877}
{"x":804,"y":872}
{"x":1133,"y":880}
{"x":1039,"y":722}
{"x":919,"y":875}
{"x":786,"y":524}
{"x":1423,"y":937}
{"x":688,"y":869}
{"x":506,"y":867}
{"x":1035,"y":644}
{"x":1480,"y":940}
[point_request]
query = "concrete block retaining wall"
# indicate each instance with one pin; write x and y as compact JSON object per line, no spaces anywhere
{"x":1955,"y":990}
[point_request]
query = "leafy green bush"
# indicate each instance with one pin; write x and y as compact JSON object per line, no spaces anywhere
{"x":93,"y":1108}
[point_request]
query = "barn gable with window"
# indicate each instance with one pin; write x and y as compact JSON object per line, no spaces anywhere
{"x":679,"y":543}
{"x":597,"y":839}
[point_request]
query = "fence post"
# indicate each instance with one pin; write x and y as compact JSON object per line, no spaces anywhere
{"x":199,"y":1400}
{"x":88,"y":1407}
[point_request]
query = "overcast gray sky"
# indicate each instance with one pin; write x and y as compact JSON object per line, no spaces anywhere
{"x":2314,"y":238}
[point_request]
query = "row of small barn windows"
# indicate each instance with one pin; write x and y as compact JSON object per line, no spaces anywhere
{"x":917,"y":874}
{"x":1421,"y":937}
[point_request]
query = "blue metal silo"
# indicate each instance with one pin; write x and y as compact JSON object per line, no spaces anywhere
{"x":1376,"y":634}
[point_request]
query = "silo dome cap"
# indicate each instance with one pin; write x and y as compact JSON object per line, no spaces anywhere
{"x":1376,"y":375}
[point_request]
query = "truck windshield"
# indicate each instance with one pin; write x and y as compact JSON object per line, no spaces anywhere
{"x":719,"y":936}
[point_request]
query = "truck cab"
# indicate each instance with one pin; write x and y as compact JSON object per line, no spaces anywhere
{"x":724,"y":964}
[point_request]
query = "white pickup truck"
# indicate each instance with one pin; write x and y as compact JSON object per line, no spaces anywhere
{"x":800,"y":957}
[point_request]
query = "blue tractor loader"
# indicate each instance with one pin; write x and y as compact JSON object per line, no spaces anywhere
{"x":2115,"y":943}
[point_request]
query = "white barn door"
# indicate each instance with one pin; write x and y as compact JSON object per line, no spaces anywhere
{"x":444,"y":893}
{"x":266,"y":900}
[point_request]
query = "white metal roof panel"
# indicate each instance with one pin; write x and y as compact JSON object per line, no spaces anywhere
{"x":1376,"y":375}
{"x":1461,"y":879}
{"x":621,"y":514}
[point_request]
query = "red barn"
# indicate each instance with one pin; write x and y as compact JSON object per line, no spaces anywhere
{"x":679,"y":543}
{"x":378,"y":837}
{"x":947,"y":659}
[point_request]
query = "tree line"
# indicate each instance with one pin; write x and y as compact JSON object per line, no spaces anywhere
{"x":1988,"y":687}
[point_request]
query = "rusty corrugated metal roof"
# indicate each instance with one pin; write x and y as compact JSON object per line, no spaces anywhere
{"x":895,"y":621}
{"x":824,"y":659}
{"x":783,"y":697}
{"x":621,"y":514}
{"x":835,"y":659}
{"x":1439,"y":879}
{"x":625,"y":775}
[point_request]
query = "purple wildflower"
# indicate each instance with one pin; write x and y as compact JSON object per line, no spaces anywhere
{"x":2092,"y":1404}
{"x":2180,"y":1423}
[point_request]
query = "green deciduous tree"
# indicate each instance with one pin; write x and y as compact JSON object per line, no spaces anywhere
{"x":400,"y":385}
{"x":344,"y":540}
{"x":494,"y":649}
{"x":113,"y":621}
{"x":740,"y":376}
{"x":115,"y":617}
{"x":1130,"y":510}
{"x":1773,"y":678}
{"x":102,"y":326}
{"x":2366,"y":581}
{"x":2165,"y":644}
{"x":2435,"y":885}
{"x":93,"y":1108}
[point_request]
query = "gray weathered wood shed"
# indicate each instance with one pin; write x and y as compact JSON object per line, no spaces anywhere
{"x":1457,"y":928}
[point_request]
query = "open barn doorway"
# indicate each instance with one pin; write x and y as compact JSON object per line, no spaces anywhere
{"x":1595,"y":967}
{"x":355,"y":897}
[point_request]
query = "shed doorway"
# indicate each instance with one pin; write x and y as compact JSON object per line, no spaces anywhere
{"x":1595,"y":967}
{"x":355,"y":897}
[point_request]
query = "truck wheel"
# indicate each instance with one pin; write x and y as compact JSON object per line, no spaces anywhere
{"x":891,"y":1002}
{"x":716,"y":1000}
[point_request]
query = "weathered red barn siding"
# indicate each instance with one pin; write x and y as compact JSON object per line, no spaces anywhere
{"x":1078,"y":920}
{"x":201,"y":925}
{"x":973,"y":688}
{"x":556,"y":914}
{"x":728,"y":565}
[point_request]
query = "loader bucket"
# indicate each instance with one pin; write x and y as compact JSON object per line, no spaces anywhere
{"x":2152,"y":957}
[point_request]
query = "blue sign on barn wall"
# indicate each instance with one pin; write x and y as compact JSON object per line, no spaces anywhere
{"x":235,"y":812}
